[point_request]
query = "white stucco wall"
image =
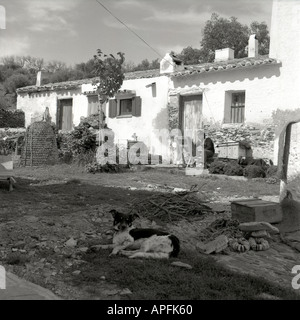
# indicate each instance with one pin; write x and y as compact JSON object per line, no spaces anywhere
{"x":34,"y":104}
{"x":259,"y":83}
{"x":154,"y":114}
{"x":285,"y":46}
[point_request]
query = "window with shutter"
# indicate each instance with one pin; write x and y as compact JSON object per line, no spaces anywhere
{"x":112,"y":112}
{"x":125,"y":106}
{"x":137,"y":106}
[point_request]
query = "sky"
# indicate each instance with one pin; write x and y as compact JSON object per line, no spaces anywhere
{"x":72,"y":30}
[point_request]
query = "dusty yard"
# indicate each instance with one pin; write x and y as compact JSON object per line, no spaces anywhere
{"x":56,"y":213}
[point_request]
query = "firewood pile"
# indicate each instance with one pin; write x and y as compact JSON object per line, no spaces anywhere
{"x":227,"y":227}
{"x":170,"y":207}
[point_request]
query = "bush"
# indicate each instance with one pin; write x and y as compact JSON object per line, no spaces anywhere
{"x":233,"y":169}
{"x":217,"y":167}
{"x":78,"y":146}
{"x":254,"y":171}
{"x":272,"y":171}
{"x":94,"y":167}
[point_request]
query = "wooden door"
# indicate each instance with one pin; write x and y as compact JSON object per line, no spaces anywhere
{"x":65,"y":112}
{"x":191,"y":115}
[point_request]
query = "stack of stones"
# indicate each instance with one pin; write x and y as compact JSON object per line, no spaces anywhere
{"x":40,"y":146}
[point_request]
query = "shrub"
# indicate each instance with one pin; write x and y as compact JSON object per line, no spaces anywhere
{"x":217,"y":167}
{"x":94,"y":167}
{"x":78,"y":146}
{"x":254,"y":171}
{"x":233,"y":169}
{"x":272,"y":171}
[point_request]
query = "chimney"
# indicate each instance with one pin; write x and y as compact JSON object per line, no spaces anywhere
{"x":39,"y":79}
{"x":170,"y":63}
{"x":42,"y":77}
{"x":224,"y":55}
{"x":252,"y":46}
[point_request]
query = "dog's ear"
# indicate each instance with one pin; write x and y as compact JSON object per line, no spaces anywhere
{"x":113,"y":212}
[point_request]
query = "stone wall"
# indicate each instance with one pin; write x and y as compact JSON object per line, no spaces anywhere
{"x":173,"y":110}
{"x":260,"y":138}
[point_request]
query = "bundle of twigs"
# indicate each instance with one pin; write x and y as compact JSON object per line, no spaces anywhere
{"x":227,"y":227}
{"x":168,"y":206}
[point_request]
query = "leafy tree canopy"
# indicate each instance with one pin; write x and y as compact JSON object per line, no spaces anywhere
{"x":220,"y":33}
{"x":109,"y":69}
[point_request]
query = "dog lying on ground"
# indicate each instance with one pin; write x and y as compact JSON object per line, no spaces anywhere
{"x":139,"y":242}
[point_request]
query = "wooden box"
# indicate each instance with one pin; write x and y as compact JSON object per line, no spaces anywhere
{"x":248,"y":210}
{"x":232,"y":150}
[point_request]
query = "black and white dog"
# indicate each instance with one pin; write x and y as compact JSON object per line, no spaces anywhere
{"x":139,"y":242}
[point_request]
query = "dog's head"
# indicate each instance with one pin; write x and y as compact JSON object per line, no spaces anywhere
{"x":122,"y":220}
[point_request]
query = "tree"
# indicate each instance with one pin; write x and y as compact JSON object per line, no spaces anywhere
{"x":110,"y":71}
{"x":86,"y":68}
{"x":262,"y":35}
{"x":16,"y":81}
{"x":190,"y":56}
{"x":222,"y":33}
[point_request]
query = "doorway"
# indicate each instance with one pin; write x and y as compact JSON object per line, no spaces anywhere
{"x":190,"y":118}
{"x":65,"y":114}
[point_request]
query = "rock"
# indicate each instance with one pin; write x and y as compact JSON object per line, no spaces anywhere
{"x":258,"y":226}
{"x":267,"y":296}
{"x":112,"y":292}
{"x":76,"y":272}
{"x":103,"y":278}
{"x":181,"y":265}
{"x":125,"y":292}
{"x":176,"y":190}
{"x":89,"y":233}
{"x":83,"y":249}
{"x":217,"y":245}
{"x":71,"y":243}
{"x":260,"y":234}
{"x":19,"y":244}
{"x":32,"y":219}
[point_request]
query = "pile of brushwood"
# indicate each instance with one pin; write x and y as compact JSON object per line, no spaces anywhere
{"x":170,"y":207}
{"x":222,"y":226}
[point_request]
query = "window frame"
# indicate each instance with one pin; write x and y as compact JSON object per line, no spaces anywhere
{"x":237,"y":109}
{"x":120,"y":114}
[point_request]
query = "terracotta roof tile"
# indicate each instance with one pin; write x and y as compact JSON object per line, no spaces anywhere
{"x":224,"y":65}
{"x":75,"y":84}
{"x":187,"y":70}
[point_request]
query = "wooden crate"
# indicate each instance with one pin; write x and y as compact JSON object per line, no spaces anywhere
{"x":248,"y":210}
{"x":232,"y":150}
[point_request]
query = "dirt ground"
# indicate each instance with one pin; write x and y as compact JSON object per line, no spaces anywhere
{"x":55,"y":214}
